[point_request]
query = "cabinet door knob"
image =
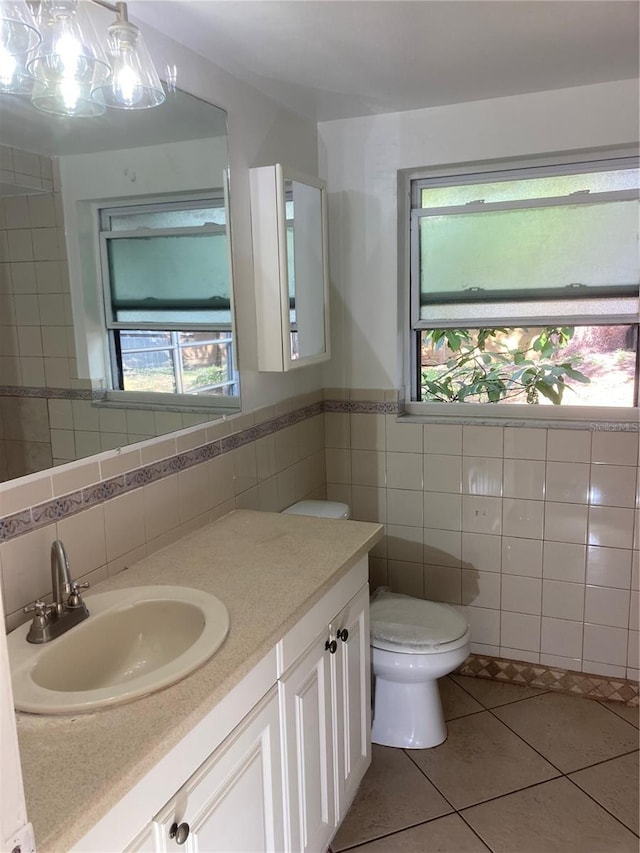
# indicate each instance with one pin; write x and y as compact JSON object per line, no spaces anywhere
{"x":180,"y":833}
{"x":331,"y":646}
{"x":343,"y":635}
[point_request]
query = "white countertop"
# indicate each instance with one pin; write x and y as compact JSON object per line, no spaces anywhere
{"x":268,"y":569}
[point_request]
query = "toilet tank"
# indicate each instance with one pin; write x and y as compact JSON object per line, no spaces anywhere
{"x":320,"y":509}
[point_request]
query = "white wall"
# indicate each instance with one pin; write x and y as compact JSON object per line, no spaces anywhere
{"x":361,"y":158}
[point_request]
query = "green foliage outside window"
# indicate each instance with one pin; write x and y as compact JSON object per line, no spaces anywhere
{"x":484,"y":365}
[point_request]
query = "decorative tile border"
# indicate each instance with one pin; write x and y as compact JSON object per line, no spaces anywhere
{"x":551,"y":678}
{"x":68,"y":505}
{"x":24,"y":521}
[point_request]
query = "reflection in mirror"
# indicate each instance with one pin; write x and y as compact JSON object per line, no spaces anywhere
{"x":115,"y":279}
{"x":305,"y":268}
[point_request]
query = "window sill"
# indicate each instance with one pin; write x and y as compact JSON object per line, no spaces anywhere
{"x":169,"y":403}
{"x":607,"y":419}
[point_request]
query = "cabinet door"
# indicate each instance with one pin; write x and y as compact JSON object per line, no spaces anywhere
{"x":144,"y":843}
{"x":233,"y":803}
{"x":306,"y":708}
{"x":352,"y":687}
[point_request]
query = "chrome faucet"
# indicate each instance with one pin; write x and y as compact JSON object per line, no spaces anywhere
{"x":68,"y":608}
{"x":60,"y":575}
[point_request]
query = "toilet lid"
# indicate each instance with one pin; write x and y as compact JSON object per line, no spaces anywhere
{"x":412,"y":622}
{"x":319,"y":509}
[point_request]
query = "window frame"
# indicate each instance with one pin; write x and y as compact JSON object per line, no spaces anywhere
{"x":223,"y":403}
{"x":595,"y":310}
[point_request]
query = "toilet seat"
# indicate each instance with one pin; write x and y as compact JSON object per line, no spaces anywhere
{"x":400,"y":623}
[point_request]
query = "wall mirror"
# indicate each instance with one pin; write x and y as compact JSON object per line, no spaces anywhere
{"x":142,"y":195}
{"x":289,"y":234}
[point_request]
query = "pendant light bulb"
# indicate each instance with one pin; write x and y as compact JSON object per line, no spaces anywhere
{"x":68,"y":62}
{"x":134,"y":84}
{"x":70,"y":47}
{"x":18,"y":31}
{"x":14,"y":77}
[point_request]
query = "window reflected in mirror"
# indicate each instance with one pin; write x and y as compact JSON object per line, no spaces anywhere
{"x":61,"y":358}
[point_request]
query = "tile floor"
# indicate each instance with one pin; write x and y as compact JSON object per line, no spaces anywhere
{"x":522,"y":771}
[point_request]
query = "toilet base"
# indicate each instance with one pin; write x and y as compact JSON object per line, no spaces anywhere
{"x":407,"y":715}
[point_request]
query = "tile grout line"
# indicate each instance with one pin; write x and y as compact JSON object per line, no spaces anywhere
{"x":619,"y":716}
{"x":541,"y":692}
{"x":597,"y":802}
{"x":537,"y":751}
{"x":395,"y":831}
{"x":548,"y":760}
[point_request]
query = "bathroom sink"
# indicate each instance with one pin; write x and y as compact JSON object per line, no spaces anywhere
{"x":135,"y":641}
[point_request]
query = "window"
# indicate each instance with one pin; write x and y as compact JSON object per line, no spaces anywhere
{"x":167,"y":298}
{"x":524,"y":285}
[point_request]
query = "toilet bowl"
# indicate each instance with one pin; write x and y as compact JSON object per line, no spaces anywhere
{"x":413,"y":644}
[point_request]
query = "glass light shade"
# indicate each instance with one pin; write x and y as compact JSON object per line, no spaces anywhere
{"x":66,"y":98}
{"x":18,"y":31}
{"x":70,"y":51}
{"x":14,"y":77}
{"x":134,"y":83}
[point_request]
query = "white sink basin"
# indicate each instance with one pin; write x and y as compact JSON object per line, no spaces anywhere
{"x":135,"y":641}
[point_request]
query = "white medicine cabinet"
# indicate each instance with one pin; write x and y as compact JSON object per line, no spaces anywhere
{"x":290,"y":257}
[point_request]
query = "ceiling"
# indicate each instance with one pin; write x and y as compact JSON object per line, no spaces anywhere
{"x":180,"y":117}
{"x":332,"y":59}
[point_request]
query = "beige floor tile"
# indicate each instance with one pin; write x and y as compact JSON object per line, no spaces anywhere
{"x":393,"y":795}
{"x":456,"y":702}
{"x":448,"y":834}
{"x":494,"y":693}
{"x":481,"y":759}
{"x":614,"y":784}
{"x":629,"y":713}
{"x":555,"y":817}
{"x":570,"y":731}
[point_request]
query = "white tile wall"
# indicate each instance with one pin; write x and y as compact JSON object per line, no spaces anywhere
{"x":532,"y":530}
{"x":550,"y":581}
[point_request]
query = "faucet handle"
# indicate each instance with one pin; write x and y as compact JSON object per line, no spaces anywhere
{"x":75,"y":599}
{"x":39,"y":607}
{"x":41,"y":624}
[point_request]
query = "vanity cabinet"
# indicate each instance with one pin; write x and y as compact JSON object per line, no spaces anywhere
{"x":233,"y":803}
{"x":326,"y":712}
{"x":286,"y":773}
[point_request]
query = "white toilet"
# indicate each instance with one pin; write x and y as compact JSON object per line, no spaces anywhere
{"x":413,"y":643}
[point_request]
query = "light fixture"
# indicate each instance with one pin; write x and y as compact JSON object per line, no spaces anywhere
{"x":18,"y":31}
{"x":14,"y":77}
{"x":18,"y":36}
{"x":56,"y":57}
{"x":134,"y":83}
